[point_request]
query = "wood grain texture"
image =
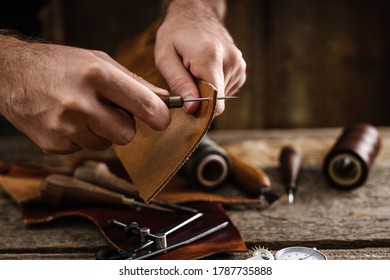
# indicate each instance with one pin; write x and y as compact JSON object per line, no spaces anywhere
{"x":344,"y":225}
{"x":309,"y":63}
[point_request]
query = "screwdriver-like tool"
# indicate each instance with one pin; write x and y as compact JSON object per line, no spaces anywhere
{"x":290,"y":160}
{"x":173,"y":101}
{"x":98,"y":173}
{"x":58,"y":190}
{"x":252,"y":179}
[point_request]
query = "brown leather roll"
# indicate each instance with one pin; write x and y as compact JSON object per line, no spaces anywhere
{"x":348,"y":163}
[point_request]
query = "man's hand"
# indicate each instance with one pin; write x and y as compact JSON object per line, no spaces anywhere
{"x":60,"y":97}
{"x":193,"y":43}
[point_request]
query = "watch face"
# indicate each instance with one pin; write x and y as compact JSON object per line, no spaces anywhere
{"x":299,"y":253}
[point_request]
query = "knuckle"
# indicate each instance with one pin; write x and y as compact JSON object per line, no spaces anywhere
{"x":213,"y":52}
{"x":160,"y":57}
{"x":94,"y":71}
{"x":101,"y":54}
{"x":178,"y":84}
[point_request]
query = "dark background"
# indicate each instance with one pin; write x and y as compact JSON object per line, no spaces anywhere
{"x":310,"y":63}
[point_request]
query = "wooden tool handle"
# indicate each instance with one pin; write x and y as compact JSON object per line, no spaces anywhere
{"x":98,"y":173}
{"x":60,"y":190}
{"x":248,"y":177}
{"x":290,"y":162}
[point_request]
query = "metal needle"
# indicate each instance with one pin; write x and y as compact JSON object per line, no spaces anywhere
{"x":173,"y":101}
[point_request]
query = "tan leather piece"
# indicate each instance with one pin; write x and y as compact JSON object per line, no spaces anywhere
{"x":179,"y":191}
{"x":22,"y":189}
{"x":153,"y":157}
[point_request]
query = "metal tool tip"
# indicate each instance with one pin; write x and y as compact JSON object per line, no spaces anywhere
{"x":291,"y":198}
{"x":228,"y":97}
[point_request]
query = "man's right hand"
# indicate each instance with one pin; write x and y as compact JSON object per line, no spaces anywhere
{"x":60,"y":97}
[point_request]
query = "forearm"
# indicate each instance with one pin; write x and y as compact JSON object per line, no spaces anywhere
{"x":216,"y":8}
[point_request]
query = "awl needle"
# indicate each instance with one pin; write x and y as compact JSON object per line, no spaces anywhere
{"x":173,"y":101}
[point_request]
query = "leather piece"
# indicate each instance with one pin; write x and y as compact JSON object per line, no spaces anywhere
{"x":21,"y":189}
{"x":153,"y":157}
{"x":179,"y":191}
{"x":25,"y":191}
{"x":225,"y":240}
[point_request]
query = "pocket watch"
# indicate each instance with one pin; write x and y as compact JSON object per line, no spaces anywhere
{"x":288,"y":253}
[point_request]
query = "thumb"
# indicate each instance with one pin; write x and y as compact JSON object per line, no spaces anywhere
{"x":179,"y":79}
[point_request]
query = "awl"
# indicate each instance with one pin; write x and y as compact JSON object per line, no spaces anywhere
{"x":173,"y":101}
{"x":98,"y":173}
{"x":251,"y":179}
{"x":290,"y":160}
{"x":58,"y":190}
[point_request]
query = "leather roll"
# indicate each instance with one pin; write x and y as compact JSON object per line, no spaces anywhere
{"x":348,"y":163}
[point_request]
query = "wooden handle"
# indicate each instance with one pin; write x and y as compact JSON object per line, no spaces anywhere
{"x":248,"y":177}
{"x":60,"y":190}
{"x":99,"y":174}
{"x":290,"y":163}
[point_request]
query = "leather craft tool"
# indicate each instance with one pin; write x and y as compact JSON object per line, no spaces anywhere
{"x":290,"y":160}
{"x":251,"y":179}
{"x":210,"y":166}
{"x":145,"y":249}
{"x":99,"y":174}
{"x":59,"y":190}
{"x":349,"y":161}
{"x":175,"y":101}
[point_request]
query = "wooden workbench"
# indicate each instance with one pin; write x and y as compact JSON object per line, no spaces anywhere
{"x":344,"y":225}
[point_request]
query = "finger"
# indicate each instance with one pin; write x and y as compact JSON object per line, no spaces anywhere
{"x":87,"y":139}
{"x":116,"y":64}
{"x":55,"y":144}
{"x":113,"y":124}
{"x":236,"y":78}
{"x":178,"y":78}
{"x":119,"y":88}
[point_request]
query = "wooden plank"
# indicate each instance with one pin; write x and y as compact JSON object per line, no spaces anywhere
{"x":340,"y":254}
{"x":65,"y":235}
{"x":342,"y":224}
{"x":326,"y":63}
{"x":321,"y":216}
